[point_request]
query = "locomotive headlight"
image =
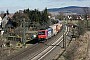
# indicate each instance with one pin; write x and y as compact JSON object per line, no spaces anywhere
{"x":34,"y":36}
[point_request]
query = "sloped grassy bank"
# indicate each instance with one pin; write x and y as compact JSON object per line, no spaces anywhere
{"x":77,"y":50}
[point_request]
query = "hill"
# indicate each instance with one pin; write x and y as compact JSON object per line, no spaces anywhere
{"x":69,"y":9}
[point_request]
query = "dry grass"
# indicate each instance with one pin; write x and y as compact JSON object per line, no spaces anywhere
{"x":77,"y":49}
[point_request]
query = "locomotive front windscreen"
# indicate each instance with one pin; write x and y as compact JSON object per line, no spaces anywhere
{"x":41,"y":33}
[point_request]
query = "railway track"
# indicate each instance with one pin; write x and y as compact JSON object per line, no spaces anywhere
{"x":27,"y":54}
{"x":49,"y":49}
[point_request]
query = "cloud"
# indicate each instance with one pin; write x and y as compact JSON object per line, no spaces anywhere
{"x":69,"y":0}
{"x":79,"y":0}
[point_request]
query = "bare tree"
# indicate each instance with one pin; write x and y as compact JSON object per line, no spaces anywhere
{"x":60,"y":16}
{"x":86,"y":14}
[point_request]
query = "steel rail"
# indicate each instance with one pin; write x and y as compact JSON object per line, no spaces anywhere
{"x":49,"y":49}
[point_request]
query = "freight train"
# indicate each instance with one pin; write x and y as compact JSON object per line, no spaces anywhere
{"x":52,"y":30}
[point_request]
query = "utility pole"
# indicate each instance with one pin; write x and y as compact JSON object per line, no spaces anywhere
{"x":64,"y":37}
{"x":63,"y":40}
{"x":67,"y":23}
{"x":50,"y":20}
{"x":24,"y":31}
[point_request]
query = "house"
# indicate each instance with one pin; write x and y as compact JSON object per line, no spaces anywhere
{"x":0,"y":23}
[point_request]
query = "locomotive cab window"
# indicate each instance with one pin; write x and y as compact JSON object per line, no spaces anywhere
{"x":41,"y":33}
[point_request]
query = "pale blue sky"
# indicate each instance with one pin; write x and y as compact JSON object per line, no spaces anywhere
{"x":15,"y":5}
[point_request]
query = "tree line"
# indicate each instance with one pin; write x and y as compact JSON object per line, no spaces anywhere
{"x":36,"y":17}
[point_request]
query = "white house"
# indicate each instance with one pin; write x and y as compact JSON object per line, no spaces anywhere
{"x":0,"y":21}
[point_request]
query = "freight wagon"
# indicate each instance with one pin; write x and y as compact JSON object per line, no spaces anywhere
{"x":58,"y":27}
{"x":54,"y":29}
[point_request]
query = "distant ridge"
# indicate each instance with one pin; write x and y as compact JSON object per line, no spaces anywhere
{"x":73,"y":9}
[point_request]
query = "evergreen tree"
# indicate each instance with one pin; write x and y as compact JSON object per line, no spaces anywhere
{"x":7,"y":12}
{"x":33,"y":17}
{"x":45,"y":17}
